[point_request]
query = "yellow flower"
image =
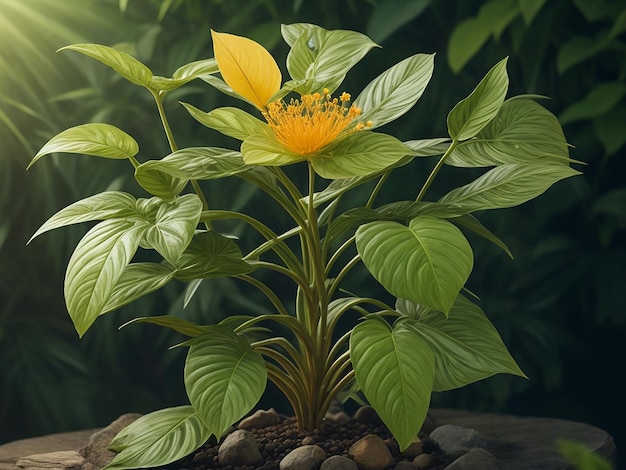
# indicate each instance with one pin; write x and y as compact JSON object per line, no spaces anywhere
{"x":307,"y":125}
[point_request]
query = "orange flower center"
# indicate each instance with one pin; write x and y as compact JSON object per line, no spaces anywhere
{"x":306,"y":125}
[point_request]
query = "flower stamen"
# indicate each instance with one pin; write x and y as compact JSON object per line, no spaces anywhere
{"x":307,"y":125}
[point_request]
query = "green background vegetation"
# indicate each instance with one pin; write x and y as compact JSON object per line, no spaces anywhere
{"x":558,"y":306}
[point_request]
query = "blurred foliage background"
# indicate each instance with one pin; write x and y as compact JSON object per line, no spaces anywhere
{"x":558,"y":306}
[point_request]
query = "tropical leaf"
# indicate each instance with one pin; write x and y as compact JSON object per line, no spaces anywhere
{"x":427,"y":262}
{"x":95,"y":267}
{"x":124,"y":64}
{"x":321,"y":57}
{"x":194,"y":163}
{"x":395,"y":91}
{"x":210,"y":255}
{"x":264,"y":149}
{"x":466,"y":346}
{"x":247,"y":67}
{"x":159,"y":183}
{"x":506,"y":186}
{"x":96,"y":139}
{"x":360,"y":154}
{"x":184,"y":74}
{"x":224,"y":377}
{"x":472,"y":223}
{"x":233,"y":122}
{"x":158,"y":438}
{"x":184,"y":327}
{"x":428,"y":147}
{"x":171,"y":224}
{"x":522,"y":131}
{"x":473,"y":113}
{"x":105,"y":205}
{"x":395,"y":369}
{"x":137,"y":280}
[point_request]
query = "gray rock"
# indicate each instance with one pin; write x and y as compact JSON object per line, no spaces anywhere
{"x":423,"y":461}
{"x":371,"y":453}
{"x":475,"y":458}
{"x":452,"y":438}
{"x":303,"y":458}
{"x":404,"y":465}
{"x":367,"y":415}
{"x":61,"y":460}
{"x":341,"y":417}
{"x":95,"y":452}
{"x":339,"y":462}
{"x":260,"y":419}
{"x":239,"y":448}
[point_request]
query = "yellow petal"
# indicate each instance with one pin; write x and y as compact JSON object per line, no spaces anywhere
{"x":247,"y":67}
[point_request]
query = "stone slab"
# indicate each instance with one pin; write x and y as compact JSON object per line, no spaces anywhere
{"x":11,"y":452}
{"x":529,"y":443}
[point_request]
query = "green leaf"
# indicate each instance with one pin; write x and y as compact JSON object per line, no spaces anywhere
{"x":210,"y":255}
{"x":349,"y":221}
{"x":396,"y":90}
{"x":185,"y":74}
{"x":522,"y":131}
{"x":472,"y":33}
{"x":592,"y":11}
{"x":428,"y":147}
{"x":322,"y":56}
{"x":179,"y":325}
{"x":233,"y":122}
{"x":158,"y":438}
{"x":601,"y":99}
{"x":96,"y":139}
{"x":391,"y":15}
{"x":224,"y":377}
{"x":466,"y":346}
{"x":173,"y":225}
{"x":530,"y":8}
{"x":360,"y":154}
{"x":408,"y":210}
{"x":472,"y":223}
{"x":158,"y":182}
{"x":127,"y":66}
{"x":95,"y":267}
{"x":609,"y":128}
{"x":137,"y":280}
{"x":264,"y":149}
{"x":473,"y":113}
{"x":194,"y":163}
{"x":507,"y":186}
{"x":580,"y":455}
{"x":106,"y":205}
{"x":395,"y":370}
{"x":581,"y":48}
{"x":427,"y":262}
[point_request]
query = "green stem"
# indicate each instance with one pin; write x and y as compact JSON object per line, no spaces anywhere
{"x":158,"y":98}
{"x":433,"y":173}
{"x":377,"y":188}
{"x":269,"y":293}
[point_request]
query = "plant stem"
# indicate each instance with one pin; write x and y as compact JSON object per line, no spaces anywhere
{"x":433,"y":173}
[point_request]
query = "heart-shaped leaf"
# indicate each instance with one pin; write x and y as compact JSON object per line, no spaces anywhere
{"x":224,"y":377}
{"x":427,"y":262}
{"x":395,"y":369}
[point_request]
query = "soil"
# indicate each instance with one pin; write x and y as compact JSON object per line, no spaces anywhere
{"x":278,"y":440}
